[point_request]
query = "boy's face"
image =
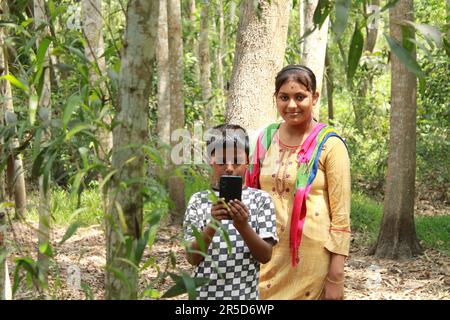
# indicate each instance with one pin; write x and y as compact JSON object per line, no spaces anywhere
{"x":229,"y":163}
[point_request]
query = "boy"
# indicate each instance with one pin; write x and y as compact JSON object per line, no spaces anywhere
{"x":250,"y":224}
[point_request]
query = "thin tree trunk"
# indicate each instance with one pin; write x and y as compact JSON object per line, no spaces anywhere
{"x":330,"y":88}
{"x":397,"y":238}
{"x":259,"y":55}
{"x":301,"y":17}
{"x":15,"y":176}
{"x":131,"y":133}
{"x":176,"y":184}
{"x":162,"y":58}
{"x":94,"y":51}
{"x":220,"y":51}
{"x":315,"y":46}
{"x":205,"y":69}
{"x":45,"y":112}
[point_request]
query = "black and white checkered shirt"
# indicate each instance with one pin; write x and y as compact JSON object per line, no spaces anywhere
{"x":235,"y":275}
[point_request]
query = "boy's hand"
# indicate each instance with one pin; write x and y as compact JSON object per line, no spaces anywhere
{"x":220,"y":212}
{"x":239,"y":214}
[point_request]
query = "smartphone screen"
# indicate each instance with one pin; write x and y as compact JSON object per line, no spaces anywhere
{"x":230,"y":188}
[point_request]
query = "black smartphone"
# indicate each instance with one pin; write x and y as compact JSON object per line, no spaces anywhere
{"x":230,"y":188}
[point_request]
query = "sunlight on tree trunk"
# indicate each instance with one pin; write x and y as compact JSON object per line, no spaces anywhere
{"x":315,"y":47}
{"x":175,"y":183}
{"x":162,"y":58}
{"x":45,"y":114}
{"x":15,"y":172}
{"x":125,"y":218}
{"x":330,"y":88}
{"x":260,"y":48}
{"x":205,"y":68}
{"x":397,"y":238}
{"x":94,"y":51}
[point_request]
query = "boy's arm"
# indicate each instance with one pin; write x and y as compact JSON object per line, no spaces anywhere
{"x":260,"y":249}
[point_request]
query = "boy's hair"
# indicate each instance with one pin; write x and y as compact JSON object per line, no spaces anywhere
{"x":226,"y":137}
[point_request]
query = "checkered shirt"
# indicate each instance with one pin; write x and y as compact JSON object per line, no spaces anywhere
{"x":235,"y":275}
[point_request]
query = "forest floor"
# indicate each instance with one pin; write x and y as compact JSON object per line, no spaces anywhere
{"x":424,"y":277}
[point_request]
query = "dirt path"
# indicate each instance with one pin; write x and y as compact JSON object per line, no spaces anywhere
{"x":426,"y":277}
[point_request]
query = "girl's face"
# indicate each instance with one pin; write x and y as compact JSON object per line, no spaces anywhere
{"x":295,"y":103}
{"x":231,"y":164}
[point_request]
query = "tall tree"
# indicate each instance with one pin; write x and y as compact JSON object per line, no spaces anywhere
{"x":397,"y":238}
{"x":221,"y":48}
{"x":330,"y":87}
{"x":175,"y":183}
{"x":124,"y":226}
{"x":162,"y":59}
{"x":94,"y":51}
{"x":41,"y":27}
{"x":315,"y":47}
{"x":259,"y":55}
{"x":15,"y":171}
{"x":205,"y":68}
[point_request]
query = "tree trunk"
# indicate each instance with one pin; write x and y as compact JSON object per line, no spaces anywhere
{"x":330,"y":88}
{"x":40,"y":18}
{"x":162,"y":58}
{"x":315,"y":47}
{"x":301,"y":18}
{"x":15,"y":177}
{"x":220,"y":51}
{"x":205,"y":69}
{"x":94,"y":51}
{"x":397,"y":238}
{"x":176,"y":184}
{"x":259,"y":55}
{"x":131,"y":133}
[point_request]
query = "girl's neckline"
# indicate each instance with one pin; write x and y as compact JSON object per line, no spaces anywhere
{"x":277,"y":135}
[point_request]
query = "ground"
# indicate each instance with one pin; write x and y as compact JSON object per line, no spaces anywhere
{"x":425,"y":277}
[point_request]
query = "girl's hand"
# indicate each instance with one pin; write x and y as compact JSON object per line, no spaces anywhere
{"x":239,"y":214}
{"x":220,"y":212}
{"x":333,"y":290}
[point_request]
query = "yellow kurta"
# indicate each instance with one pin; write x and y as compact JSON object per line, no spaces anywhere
{"x":327,"y":224}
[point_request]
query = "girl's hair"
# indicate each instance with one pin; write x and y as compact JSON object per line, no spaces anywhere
{"x":227,"y":135}
{"x":298,"y":73}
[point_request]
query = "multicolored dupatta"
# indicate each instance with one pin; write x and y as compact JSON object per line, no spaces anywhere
{"x":308,"y":163}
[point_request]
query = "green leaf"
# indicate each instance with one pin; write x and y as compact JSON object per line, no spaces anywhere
{"x":180,"y":285}
{"x":106,"y":179}
{"x":40,"y":57}
{"x":70,"y":231}
{"x":405,"y":57}
{"x":32,"y":107}
{"x":355,"y":52}
{"x":46,"y":249}
{"x":87,"y":291}
{"x":72,"y":103}
{"x":342,"y":8}
{"x":388,"y":5}
{"x":321,"y":13}
{"x":152,"y":293}
{"x":17,"y":83}
{"x":75,"y":130}
{"x":429,"y":32}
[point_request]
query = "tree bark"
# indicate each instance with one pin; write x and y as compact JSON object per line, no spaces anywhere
{"x":205,"y":69}
{"x":220,"y":51}
{"x":176,"y":184}
{"x":15,"y":176}
{"x":259,"y":55}
{"x":315,"y":47}
{"x":131,"y":133}
{"x":330,"y":88}
{"x":94,"y":51}
{"x":162,"y":58}
{"x":40,"y":18}
{"x":301,"y":18}
{"x":397,"y":238}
